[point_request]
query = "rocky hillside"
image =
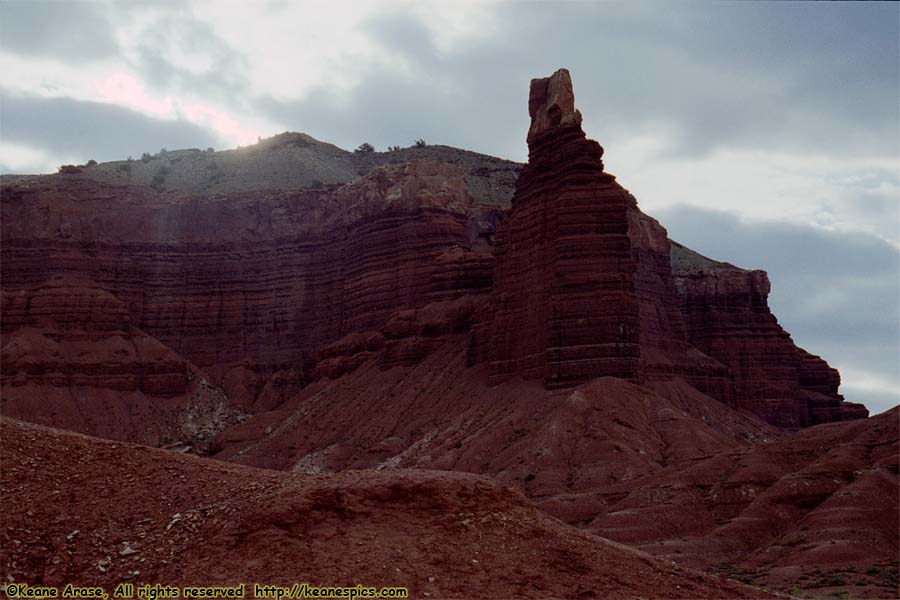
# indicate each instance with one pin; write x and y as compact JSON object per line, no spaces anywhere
{"x":288,"y":161}
{"x":72,"y":357}
{"x":153,"y":516}
{"x":315,"y":310}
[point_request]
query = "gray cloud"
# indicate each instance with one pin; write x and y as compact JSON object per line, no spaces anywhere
{"x":394,"y":109}
{"x":812,"y":78}
{"x":838,"y":294}
{"x":403,"y":34}
{"x":174,"y":34}
{"x":442,"y":98}
{"x":68,"y":31}
{"x":785,"y":76}
{"x":66,"y":127}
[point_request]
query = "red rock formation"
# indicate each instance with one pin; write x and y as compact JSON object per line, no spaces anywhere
{"x":153,"y":516}
{"x":728,"y":318}
{"x":824,"y":500}
{"x":253,"y":287}
{"x":668,"y":469}
{"x":250,"y":286}
{"x":431,"y":411}
{"x":665,"y":351}
{"x":563,"y":307}
{"x":584,"y":287}
{"x":72,"y":358}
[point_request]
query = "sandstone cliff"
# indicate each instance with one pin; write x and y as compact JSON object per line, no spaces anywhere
{"x":727,"y":317}
{"x":255,"y":285}
{"x":72,"y":358}
{"x":251,"y":286}
{"x":414,"y":311}
{"x":563,"y":307}
{"x":587,"y":286}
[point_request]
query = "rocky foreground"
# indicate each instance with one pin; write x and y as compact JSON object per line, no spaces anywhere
{"x":97,"y":512}
{"x":669,"y":471}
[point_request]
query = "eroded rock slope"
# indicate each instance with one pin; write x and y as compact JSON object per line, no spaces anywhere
{"x":96,"y":512}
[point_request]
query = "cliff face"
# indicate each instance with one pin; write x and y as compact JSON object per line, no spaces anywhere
{"x":247,"y":286}
{"x":72,"y":358}
{"x":267,"y":290}
{"x":666,"y":353}
{"x":727,"y":316}
{"x":586,"y":286}
{"x":563,"y":307}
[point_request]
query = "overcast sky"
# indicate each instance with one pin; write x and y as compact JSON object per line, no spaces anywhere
{"x":764,"y":134}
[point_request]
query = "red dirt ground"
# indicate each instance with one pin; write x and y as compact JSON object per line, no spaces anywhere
{"x":96,"y":512}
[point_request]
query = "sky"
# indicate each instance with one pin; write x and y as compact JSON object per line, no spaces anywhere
{"x":763,"y":134}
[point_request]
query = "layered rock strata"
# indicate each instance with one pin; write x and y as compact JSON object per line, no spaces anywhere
{"x":586,"y":286}
{"x":72,"y":358}
{"x":563,"y":308}
{"x":249,"y":287}
{"x":268,"y":290}
{"x":727,"y":317}
{"x":395,"y":323}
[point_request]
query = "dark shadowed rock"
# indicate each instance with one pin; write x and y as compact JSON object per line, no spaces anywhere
{"x":398,"y":310}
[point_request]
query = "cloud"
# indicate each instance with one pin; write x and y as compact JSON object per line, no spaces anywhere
{"x":851,"y":193}
{"x":785,"y":111}
{"x":18,"y":158}
{"x":412,"y":85}
{"x":80,"y":131}
{"x":776,"y":76}
{"x":176,"y":52}
{"x":810,"y":79}
{"x":403,"y":35}
{"x":836,"y":293}
{"x":71,"y":32}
